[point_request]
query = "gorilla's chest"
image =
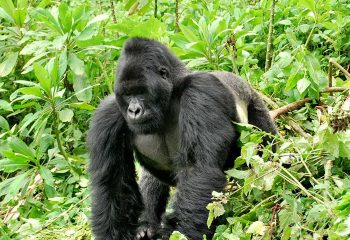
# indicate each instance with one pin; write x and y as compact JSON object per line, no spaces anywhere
{"x":158,"y":150}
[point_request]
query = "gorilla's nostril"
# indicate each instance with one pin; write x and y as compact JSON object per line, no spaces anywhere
{"x":137,"y":111}
{"x":134,"y":112}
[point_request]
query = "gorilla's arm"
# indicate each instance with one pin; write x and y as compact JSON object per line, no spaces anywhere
{"x":259,"y":115}
{"x":155,"y":195}
{"x":117,"y":201}
{"x":206,"y":134}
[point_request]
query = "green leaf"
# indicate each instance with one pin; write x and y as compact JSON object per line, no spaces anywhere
{"x":46,"y":17}
{"x":15,"y":157}
{"x":124,"y":25}
{"x":177,"y":236}
{"x":22,"y":3}
{"x":331,"y":143}
{"x":82,"y":88}
{"x":285,"y":59}
{"x":20,"y":15}
{"x":36,"y":91}
{"x":62,"y":63}
{"x":53,"y":69}
{"x":66,"y":115}
{"x":8,"y":6}
{"x":4,"y":124}
{"x":129,"y":4}
{"x":216,"y":209}
{"x":6,"y":16}
{"x":88,"y":33}
{"x":43,"y":76}
{"x":5,"y":106}
{"x":310,"y":4}
{"x":239,"y":174}
{"x":47,"y":176}
{"x":285,"y":22}
{"x":9,"y":166}
{"x":257,"y":228}
{"x":83,"y":105}
{"x":16,"y":184}
{"x":18,"y":146}
{"x":76,"y":64}
{"x":98,"y":18}
{"x":189,"y":34}
{"x":34,"y":47}
{"x":65,"y":17}
{"x":152,"y":28}
{"x":302,"y":85}
{"x":7,"y":66}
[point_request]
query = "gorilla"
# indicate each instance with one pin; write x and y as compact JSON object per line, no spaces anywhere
{"x":178,"y":124}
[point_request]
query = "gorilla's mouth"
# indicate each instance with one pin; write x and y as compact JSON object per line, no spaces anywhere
{"x":146,"y":118}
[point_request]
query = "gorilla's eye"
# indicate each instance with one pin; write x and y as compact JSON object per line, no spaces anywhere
{"x":163,"y":73}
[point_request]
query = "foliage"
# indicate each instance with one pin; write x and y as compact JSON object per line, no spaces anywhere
{"x":57,"y":61}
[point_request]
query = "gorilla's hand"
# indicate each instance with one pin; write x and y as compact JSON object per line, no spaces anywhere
{"x":146,"y":231}
{"x":168,"y":225}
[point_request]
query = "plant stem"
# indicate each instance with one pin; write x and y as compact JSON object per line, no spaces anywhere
{"x":269,"y":38}
{"x":113,"y":12}
{"x":177,"y":15}
{"x":309,"y":37}
{"x":155,"y":8}
{"x":56,"y":131}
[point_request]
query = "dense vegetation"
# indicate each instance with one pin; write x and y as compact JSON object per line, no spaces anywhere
{"x":57,"y":61}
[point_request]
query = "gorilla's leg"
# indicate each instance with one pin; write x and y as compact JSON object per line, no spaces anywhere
{"x":155,"y":195}
{"x":258,"y":115}
{"x":194,"y":191}
{"x":116,"y":200}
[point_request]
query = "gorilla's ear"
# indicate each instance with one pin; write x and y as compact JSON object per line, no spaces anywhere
{"x":164,"y":73}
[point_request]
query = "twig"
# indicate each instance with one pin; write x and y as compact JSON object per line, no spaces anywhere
{"x":155,"y":8}
{"x":330,"y":83}
{"x":346,"y":73}
{"x":269,"y":38}
{"x":298,"y":104}
{"x":113,"y":12}
{"x":63,"y":213}
{"x":327,"y":174}
{"x":298,"y":129}
{"x":177,"y":15}
{"x":310,"y":35}
{"x":289,"y":107}
{"x":333,"y":89}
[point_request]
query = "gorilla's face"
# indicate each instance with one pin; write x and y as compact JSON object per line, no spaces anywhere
{"x":143,"y":94}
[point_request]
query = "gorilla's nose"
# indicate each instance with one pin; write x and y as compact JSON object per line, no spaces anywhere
{"x":134,"y":111}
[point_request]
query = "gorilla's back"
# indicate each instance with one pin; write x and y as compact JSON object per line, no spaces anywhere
{"x":240,"y":90}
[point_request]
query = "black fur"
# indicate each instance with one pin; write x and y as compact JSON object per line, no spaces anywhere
{"x":179,"y":124}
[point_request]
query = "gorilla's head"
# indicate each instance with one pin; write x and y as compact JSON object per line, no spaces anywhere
{"x":146,"y":75}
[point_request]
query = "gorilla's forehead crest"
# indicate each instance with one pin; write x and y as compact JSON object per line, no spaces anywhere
{"x":150,"y":52}
{"x":137,"y":46}
{"x":131,"y":71}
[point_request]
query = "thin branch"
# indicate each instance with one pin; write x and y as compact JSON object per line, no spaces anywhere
{"x":48,"y":223}
{"x":333,"y":89}
{"x":155,"y":8}
{"x":177,"y":15}
{"x":113,"y":11}
{"x":330,"y":83}
{"x":298,"y":129}
{"x":298,"y":104}
{"x":289,"y":107}
{"x":269,"y":38}
{"x":346,"y":73}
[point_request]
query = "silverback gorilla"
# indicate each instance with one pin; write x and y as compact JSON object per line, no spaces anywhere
{"x":178,"y":123}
